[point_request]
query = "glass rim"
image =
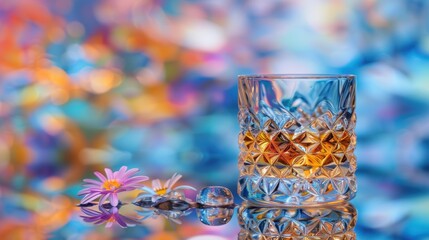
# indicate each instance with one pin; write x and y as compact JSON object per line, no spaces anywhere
{"x":297,"y":76}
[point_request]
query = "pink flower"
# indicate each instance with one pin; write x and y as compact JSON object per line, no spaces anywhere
{"x":108,"y":188}
{"x":108,"y":216}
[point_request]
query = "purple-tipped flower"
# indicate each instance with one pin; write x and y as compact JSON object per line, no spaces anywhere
{"x":108,"y":216}
{"x":158,"y":190}
{"x":109,"y":187}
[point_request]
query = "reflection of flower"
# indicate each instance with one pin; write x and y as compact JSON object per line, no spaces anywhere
{"x":172,"y":215}
{"x":108,"y":216}
{"x":116,"y":182}
{"x":159,"y":190}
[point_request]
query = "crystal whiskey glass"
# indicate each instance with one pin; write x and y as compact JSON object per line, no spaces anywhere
{"x":297,"y":139}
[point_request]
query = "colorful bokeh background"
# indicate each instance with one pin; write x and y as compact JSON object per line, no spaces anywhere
{"x":152,"y":84}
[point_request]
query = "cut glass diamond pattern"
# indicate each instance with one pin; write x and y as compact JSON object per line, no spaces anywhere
{"x":305,"y":142}
{"x":333,"y":222}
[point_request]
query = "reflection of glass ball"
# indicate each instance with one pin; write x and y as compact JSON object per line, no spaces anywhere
{"x":215,"y":216}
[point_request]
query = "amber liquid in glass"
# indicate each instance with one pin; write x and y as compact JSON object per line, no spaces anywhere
{"x":297,"y":167}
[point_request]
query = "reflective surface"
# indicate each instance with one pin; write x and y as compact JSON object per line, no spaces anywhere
{"x":335,"y":221}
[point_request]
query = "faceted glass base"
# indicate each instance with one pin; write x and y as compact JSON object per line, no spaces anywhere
{"x":246,"y":235}
{"x":327,"y":222}
{"x":295,"y":191}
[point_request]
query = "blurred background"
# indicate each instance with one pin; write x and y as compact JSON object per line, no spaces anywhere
{"x":152,"y":84}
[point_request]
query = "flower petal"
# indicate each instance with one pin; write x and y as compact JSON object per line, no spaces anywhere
{"x":103,"y":199}
{"x":90,"y":185}
{"x":84,"y":191}
{"x":89,"y":220}
{"x":90,"y":212}
{"x":156,"y":184}
{"x":119,"y":220}
{"x":100,"y":221}
{"x":181,"y":187}
{"x":130,"y":172}
{"x":114,"y":199}
{"x":136,"y":179}
{"x":173,"y":180}
{"x":148,"y":189}
{"x":90,"y":197}
{"x":92,"y":181}
{"x":145,"y":213}
{"x":100,"y":176}
{"x":124,"y":189}
{"x":109,"y":224}
{"x":129,"y":221}
{"x":119,"y":174}
{"x":114,"y":210}
{"x":167,"y":184}
{"x":109,"y":173}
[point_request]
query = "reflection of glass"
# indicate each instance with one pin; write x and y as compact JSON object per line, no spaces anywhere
{"x":327,"y":222}
{"x":215,"y":216}
{"x":171,"y":208}
{"x":297,"y":138}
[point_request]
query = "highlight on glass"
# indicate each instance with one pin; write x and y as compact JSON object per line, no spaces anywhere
{"x":297,"y":138}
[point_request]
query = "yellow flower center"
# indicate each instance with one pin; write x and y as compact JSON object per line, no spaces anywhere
{"x":161,"y":191}
{"x":111,"y":184}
